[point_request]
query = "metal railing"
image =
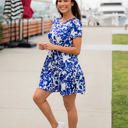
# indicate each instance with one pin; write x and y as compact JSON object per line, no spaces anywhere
{"x":17,"y":30}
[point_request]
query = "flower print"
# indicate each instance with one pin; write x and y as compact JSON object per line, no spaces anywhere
{"x":62,"y":72}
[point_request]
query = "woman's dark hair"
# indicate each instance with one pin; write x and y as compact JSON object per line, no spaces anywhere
{"x":75,"y":9}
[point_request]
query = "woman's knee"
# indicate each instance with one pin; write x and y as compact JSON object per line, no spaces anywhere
{"x":69,"y":101}
{"x":36,"y":97}
{"x":40,"y":95}
{"x":67,"y":106}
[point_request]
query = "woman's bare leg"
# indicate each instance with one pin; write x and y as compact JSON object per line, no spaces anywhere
{"x":40,"y":99}
{"x":69,"y":103}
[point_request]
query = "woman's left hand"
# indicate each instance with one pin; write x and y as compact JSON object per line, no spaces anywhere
{"x":49,"y":46}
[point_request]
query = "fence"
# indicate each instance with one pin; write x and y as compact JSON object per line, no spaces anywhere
{"x":16,"y":30}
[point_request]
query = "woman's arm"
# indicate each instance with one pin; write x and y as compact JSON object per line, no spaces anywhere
{"x":69,"y":50}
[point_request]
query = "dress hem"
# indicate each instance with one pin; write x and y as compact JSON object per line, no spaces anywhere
{"x":76,"y":92}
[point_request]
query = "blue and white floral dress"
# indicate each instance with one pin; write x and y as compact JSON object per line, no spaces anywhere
{"x":61,"y":72}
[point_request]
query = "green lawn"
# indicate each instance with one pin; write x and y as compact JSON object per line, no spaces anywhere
{"x":120,"y":89}
{"x":120,"y":38}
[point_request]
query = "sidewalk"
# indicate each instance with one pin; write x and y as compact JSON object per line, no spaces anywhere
{"x":19,"y":75}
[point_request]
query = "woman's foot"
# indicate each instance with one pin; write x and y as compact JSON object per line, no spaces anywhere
{"x":60,"y":125}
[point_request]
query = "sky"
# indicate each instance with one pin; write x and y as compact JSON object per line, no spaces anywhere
{"x":94,"y":3}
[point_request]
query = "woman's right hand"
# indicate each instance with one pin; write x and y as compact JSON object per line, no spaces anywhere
{"x":41,"y":46}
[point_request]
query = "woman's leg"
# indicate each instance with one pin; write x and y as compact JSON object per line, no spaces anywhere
{"x":69,"y":103}
{"x":40,"y":99}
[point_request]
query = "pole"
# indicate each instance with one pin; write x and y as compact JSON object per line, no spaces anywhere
{"x":42,"y":23}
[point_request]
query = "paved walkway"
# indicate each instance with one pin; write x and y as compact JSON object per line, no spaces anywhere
{"x":19,"y":76}
{"x":105,"y":47}
{"x":120,"y":30}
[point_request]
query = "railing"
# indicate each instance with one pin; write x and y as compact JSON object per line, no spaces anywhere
{"x":15,"y":30}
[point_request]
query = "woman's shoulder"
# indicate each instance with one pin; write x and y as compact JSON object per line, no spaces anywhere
{"x":56,"y":19}
{"x":76,"y":22}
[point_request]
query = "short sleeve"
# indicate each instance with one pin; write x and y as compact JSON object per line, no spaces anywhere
{"x":53,"y":21}
{"x":77,"y":29}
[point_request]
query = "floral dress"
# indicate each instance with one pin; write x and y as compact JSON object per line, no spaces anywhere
{"x":61,"y":72}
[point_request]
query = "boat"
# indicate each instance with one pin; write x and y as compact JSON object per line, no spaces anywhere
{"x":112,"y":13}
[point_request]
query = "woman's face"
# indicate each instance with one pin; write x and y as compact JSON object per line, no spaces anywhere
{"x":64,"y":6}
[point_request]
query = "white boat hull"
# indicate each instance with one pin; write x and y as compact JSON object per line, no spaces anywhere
{"x":113,"y":21}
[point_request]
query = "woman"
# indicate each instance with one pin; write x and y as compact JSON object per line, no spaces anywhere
{"x":61,"y":71}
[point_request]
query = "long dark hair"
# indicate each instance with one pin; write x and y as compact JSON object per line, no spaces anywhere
{"x":75,"y":9}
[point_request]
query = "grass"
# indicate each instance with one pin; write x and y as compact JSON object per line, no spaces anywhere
{"x":120,"y":83}
{"x":120,"y":38}
{"x":120,"y":89}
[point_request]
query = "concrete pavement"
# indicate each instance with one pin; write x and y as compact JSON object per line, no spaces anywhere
{"x":19,"y":76}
